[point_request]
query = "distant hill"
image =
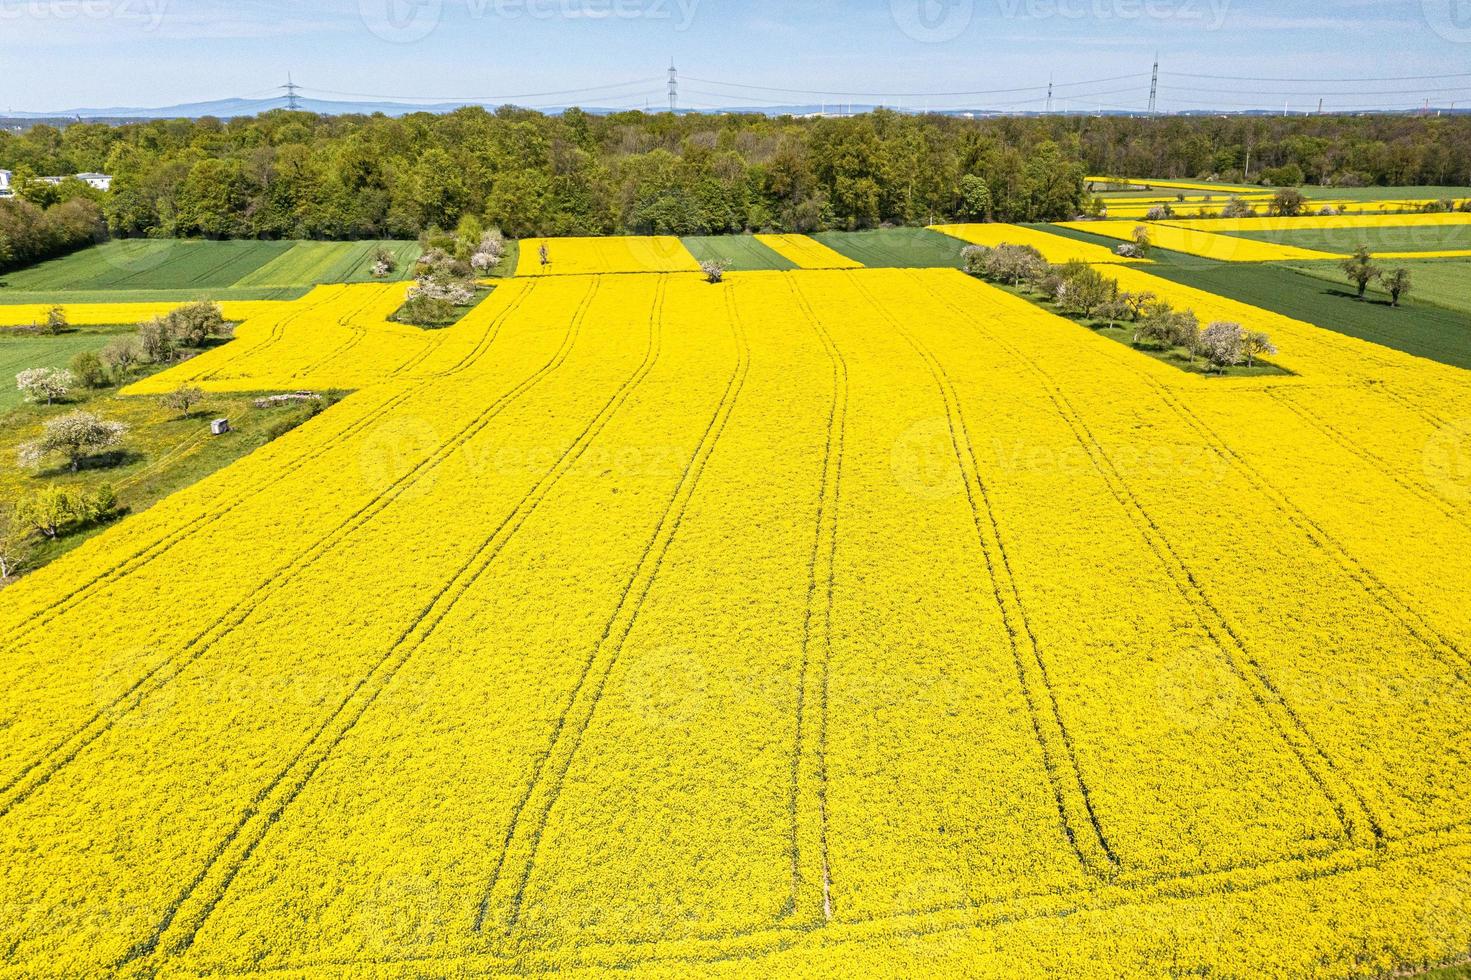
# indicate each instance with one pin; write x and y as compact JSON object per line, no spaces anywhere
{"x":231,"y":108}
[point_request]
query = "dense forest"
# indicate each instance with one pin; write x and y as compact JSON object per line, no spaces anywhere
{"x":299,"y":175}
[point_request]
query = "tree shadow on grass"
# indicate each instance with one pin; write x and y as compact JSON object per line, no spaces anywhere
{"x":1367,"y":299}
{"x":102,"y":461}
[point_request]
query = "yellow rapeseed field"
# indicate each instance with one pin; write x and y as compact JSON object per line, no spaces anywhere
{"x":1323,"y":222}
{"x":334,"y":337}
{"x":1054,"y":248}
{"x":108,"y":314}
{"x":583,"y":256}
{"x":1132,"y":208}
{"x":1177,"y":237}
{"x":808,"y":253}
{"x":842,"y":622}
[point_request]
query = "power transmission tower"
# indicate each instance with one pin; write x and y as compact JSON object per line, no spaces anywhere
{"x":1049,"y":95}
{"x":673,"y":87}
{"x":293,"y":101}
{"x":1154,"y":88}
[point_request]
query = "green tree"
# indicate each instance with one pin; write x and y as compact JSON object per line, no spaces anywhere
{"x":975,"y":198}
{"x":1361,"y":269}
{"x":1397,"y":283}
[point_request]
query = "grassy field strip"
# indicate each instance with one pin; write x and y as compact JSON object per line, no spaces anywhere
{"x":325,"y":262}
{"x":587,"y":256}
{"x":171,"y":297}
{"x":1430,"y":326}
{"x":807,"y":253}
{"x":205,"y":269}
{"x":1439,"y":282}
{"x":22,"y":353}
{"x":740,"y":253}
{"x":1196,"y":242}
{"x":1054,"y":248}
{"x":305,"y":261}
{"x":895,"y":248}
{"x":191,"y":265}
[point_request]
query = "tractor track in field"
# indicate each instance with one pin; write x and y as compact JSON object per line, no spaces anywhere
{"x":154,"y":549}
{"x":818,"y":618}
{"x":38,"y":772}
{"x":1080,"y":823}
{"x":1349,"y":806}
{"x":524,"y":834}
{"x":230,"y":857}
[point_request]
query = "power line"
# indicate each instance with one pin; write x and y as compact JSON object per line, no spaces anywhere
{"x":1322,"y":81}
{"x":912,"y":95}
{"x":293,"y":101}
{"x":1408,"y":91}
{"x":492,"y":98}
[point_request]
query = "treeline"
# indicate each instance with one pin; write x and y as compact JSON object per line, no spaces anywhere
{"x":303,"y":176}
{"x":299,"y":175}
{"x":1343,"y":151}
{"x":30,"y":233}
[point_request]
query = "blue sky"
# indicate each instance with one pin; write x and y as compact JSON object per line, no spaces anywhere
{"x":57,"y":54}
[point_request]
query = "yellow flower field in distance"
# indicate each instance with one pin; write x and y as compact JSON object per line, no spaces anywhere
{"x":1131,"y":208}
{"x":808,"y":253}
{"x":583,"y":256}
{"x":109,"y":314}
{"x":1054,"y":248}
{"x":1192,"y":241}
{"x":1320,"y":221}
{"x":839,"y":622}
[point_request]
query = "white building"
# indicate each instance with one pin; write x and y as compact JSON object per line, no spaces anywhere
{"x":102,"y":182}
{"x":5,"y":190}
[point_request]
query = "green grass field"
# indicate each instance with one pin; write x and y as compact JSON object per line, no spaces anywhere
{"x":507,"y":267}
{"x":1414,"y":238}
{"x":198,"y":269}
{"x":19,"y":353}
{"x":1414,"y":193}
{"x":161,"y":454}
{"x":896,"y":248}
{"x":1437,"y":282}
{"x":319,"y":262}
{"x":740,"y":253}
{"x":14,"y":298}
{"x":1417,"y":328}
